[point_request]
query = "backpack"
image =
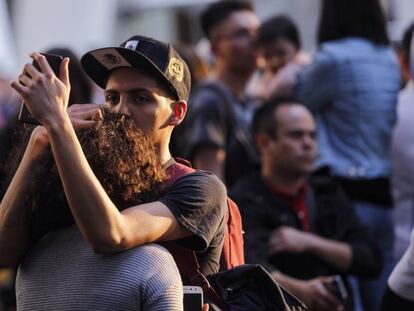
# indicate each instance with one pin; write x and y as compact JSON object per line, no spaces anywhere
{"x":233,"y":249}
{"x":249,"y":288}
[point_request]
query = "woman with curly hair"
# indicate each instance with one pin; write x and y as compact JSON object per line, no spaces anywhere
{"x":123,"y":159}
{"x":61,"y":271}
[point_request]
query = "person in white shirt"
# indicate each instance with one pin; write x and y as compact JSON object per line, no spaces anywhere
{"x":399,"y":294}
{"x":403,"y":150}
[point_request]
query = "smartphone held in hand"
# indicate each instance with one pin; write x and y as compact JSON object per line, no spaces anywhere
{"x":337,"y":287}
{"x":193,"y":298}
{"x":54,"y":62}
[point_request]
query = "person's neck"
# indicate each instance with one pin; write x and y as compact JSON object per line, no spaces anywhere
{"x":286,"y":184}
{"x":235,"y":81}
{"x":165,"y":154}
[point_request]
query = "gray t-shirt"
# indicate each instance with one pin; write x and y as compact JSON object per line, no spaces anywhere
{"x":217,"y":118}
{"x":61,"y":272}
{"x":199,"y":203}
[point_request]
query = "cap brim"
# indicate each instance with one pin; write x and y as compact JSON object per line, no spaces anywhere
{"x":98,"y":64}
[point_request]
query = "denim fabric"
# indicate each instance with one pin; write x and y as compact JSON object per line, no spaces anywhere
{"x":379,"y":220}
{"x":351,"y":87}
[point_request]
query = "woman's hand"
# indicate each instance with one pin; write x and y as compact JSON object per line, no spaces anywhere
{"x":45,"y":95}
{"x":85,"y":115}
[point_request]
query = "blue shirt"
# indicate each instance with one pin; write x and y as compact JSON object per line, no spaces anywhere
{"x":352,"y":87}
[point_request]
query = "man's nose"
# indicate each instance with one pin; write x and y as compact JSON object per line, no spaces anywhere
{"x":309,"y":141}
{"x":123,"y":109}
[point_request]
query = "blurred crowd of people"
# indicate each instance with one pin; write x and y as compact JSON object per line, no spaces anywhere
{"x":317,"y":150}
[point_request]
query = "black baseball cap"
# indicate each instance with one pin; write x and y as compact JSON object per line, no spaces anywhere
{"x":145,"y":53}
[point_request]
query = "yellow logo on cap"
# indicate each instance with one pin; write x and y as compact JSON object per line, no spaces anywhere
{"x":176,"y":68}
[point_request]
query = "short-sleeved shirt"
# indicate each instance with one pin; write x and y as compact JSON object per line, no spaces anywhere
{"x":199,"y":202}
{"x":214,"y":115}
{"x":61,"y":272}
{"x":217,"y":118}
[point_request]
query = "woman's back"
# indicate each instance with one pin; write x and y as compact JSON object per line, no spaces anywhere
{"x":352,"y":88}
{"x":61,"y":272}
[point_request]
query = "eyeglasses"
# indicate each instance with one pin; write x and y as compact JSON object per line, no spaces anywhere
{"x":239,"y":34}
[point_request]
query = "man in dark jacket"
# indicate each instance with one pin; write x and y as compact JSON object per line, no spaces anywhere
{"x":300,"y":227}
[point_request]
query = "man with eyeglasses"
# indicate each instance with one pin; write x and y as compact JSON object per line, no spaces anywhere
{"x":219,"y":111}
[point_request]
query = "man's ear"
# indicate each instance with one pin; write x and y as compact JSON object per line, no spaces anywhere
{"x":262,"y":141}
{"x":214,"y":48}
{"x":214,"y":44}
{"x":179,"y":109}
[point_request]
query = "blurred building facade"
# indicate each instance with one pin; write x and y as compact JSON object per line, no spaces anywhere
{"x":86,"y":24}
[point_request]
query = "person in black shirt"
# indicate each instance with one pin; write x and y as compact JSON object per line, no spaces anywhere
{"x":300,"y":227}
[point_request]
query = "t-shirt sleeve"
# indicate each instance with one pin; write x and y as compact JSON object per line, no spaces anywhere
{"x":206,"y":119}
{"x":199,"y":202}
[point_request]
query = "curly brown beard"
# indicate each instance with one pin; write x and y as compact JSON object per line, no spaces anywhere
{"x":123,"y":158}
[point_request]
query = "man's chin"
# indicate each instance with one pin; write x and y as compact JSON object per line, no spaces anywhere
{"x":246,"y":67}
{"x":304,"y":170}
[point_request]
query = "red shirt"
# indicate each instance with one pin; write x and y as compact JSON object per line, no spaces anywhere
{"x":297,"y":203}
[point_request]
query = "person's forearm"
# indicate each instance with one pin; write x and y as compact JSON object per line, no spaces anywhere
{"x":338,"y":254}
{"x":96,"y":216}
{"x":14,"y":214}
{"x":291,"y":284}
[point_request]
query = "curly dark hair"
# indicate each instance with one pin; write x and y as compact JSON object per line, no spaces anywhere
{"x":124,"y":159}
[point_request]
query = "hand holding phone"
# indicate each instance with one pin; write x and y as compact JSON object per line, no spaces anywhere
{"x":54,"y":62}
{"x":337,"y":287}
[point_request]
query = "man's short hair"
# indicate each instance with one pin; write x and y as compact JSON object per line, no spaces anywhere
{"x":219,"y":11}
{"x":264,"y":120}
{"x":278,"y":27}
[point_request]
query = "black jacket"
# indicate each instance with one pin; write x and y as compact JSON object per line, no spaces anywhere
{"x":330,"y":216}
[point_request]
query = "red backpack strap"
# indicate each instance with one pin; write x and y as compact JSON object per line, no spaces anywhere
{"x":233,"y":248}
{"x":180,"y":168}
{"x":187,"y":264}
{"x":190,"y":270}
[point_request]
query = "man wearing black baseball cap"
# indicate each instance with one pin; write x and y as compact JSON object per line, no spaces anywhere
{"x":146,"y":80}
{"x":157,"y":58}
